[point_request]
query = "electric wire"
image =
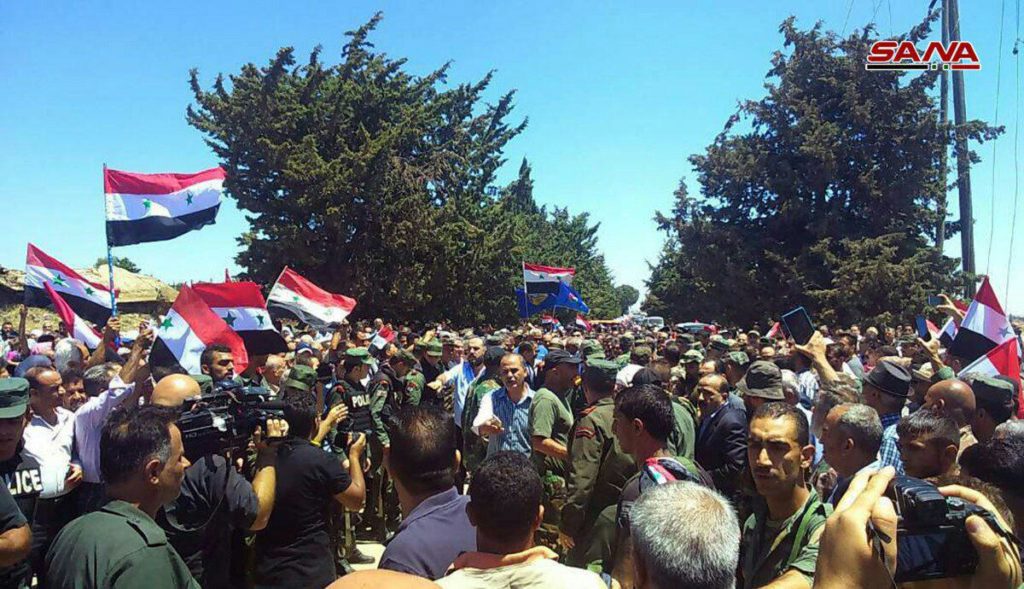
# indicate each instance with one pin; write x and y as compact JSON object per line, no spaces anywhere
{"x":995,"y":123}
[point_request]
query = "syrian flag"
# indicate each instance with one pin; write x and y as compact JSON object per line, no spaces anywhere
{"x":77,"y":327}
{"x":307,"y":301}
{"x":948,"y":333}
{"x":87,"y":299}
{"x":550,"y":321}
{"x":539,"y":279}
{"x":582,"y":323}
{"x":157,"y":207}
{"x":1002,"y":360}
{"x":241,"y":306}
{"x":382,"y":338}
{"x":188,"y":329}
{"x":774,"y":331}
{"x":984,"y":327}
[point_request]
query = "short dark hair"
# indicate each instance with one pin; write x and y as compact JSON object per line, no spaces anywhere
{"x":651,"y":405}
{"x":999,"y":461}
{"x":504,"y":496}
{"x":598,"y":380}
{"x":777,"y":409}
{"x":526,"y":346}
{"x":97,"y":378}
{"x":672,"y":353}
{"x":71,"y":374}
{"x":206,"y":358}
{"x":131,"y":437}
{"x":928,"y":422}
{"x":162,"y":372}
{"x":422,"y":452}
{"x":299,"y":411}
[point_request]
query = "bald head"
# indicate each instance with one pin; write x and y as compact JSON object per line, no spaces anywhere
{"x":952,"y":398}
{"x":173,"y":389}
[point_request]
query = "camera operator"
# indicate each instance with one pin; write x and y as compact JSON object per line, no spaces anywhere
{"x":847,"y":558}
{"x":215,"y":499}
{"x":294,"y":550}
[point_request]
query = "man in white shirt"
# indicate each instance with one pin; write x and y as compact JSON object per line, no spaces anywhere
{"x":49,"y":438}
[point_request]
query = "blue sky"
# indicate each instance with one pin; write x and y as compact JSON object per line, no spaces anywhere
{"x":618,"y":96}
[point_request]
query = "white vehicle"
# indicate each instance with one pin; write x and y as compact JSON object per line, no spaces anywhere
{"x":654,"y":322}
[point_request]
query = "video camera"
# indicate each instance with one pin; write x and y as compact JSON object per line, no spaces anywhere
{"x":932,"y":541}
{"x":225,"y":418}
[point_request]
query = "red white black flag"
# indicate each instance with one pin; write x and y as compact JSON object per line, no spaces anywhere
{"x":188,"y":329}
{"x":307,"y":301}
{"x":241,"y":306}
{"x":77,"y":327}
{"x":88,"y":299}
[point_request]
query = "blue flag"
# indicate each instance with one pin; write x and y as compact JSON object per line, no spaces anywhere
{"x":566,"y":297}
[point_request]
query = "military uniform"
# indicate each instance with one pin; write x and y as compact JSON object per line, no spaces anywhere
{"x":683,"y":437}
{"x":550,"y":418}
{"x":20,"y":474}
{"x":117,"y":546}
{"x":414,"y":388}
{"x":598,"y":469}
{"x":474,"y":448}
{"x":769,"y":549}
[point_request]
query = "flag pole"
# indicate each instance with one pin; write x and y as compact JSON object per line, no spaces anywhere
{"x":110,"y":253}
{"x":526,"y":293}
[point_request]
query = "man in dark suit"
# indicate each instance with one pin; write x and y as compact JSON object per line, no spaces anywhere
{"x":722,"y":437}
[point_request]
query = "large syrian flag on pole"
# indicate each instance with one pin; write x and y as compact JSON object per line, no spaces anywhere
{"x":383,"y":337}
{"x":77,"y":327}
{"x":241,"y":306}
{"x":582,"y":323}
{"x":984,"y":327}
{"x":88,"y":299}
{"x":1002,"y":360}
{"x":307,"y":301}
{"x":188,"y":329}
{"x":539,"y":279}
{"x":156,"y":207}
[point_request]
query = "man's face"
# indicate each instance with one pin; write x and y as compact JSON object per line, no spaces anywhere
{"x":274,"y":371}
{"x":457,"y":352}
{"x":62,"y":329}
{"x":777,"y":461}
{"x":709,"y":397}
{"x":560,"y":377}
{"x":8,"y":327}
{"x":512,"y":372}
{"x":476,"y":350}
{"x":74,"y":394}
{"x":625,"y":433}
{"x":173,"y":472}
{"x":922,"y":456}
{"x":753,"y":403}
{"x":358,"y":372}
{"x":834,"y":442}
{"x":11,"y":431}
{"x":692,"y":369}
{"x":50,"y":392}
{"x":222,"y":366}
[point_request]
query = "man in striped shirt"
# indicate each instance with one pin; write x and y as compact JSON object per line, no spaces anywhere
{"x":504,"y":413}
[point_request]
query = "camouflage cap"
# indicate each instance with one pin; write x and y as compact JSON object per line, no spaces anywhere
{"x":360,"y":354}
{"x":720,"y":344}
{"x":434,"y":348}
{"x":692,"y":357}
{"x":205,"y":382}
{"x":764,"y":380}
{"x":739,"y":358}
{"x":404,"y":356}
{"x":300,"y":377}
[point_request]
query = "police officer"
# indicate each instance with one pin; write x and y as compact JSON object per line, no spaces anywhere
{"x":20,"y":472}
{"x":121,"y":545}
{"x":598,"y":469}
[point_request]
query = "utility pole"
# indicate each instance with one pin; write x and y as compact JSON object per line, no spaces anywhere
{"x":963,"y":163}
{"x":940,"y":230}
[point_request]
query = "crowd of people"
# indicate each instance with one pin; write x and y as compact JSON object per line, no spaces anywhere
{"x":514,"y":457}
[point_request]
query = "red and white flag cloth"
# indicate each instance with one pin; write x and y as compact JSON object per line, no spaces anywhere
{"x":88,"y":299}
{"x":77,"y":327}
{"x":539,"y":279}
{"x":1003,"y":360}
{"x":984,"y":327}
{"x":188,"y":329}
{"x":307,"y":301}
{"x":241,"y":306}
{"x":582,"y":323}
{"x":383,"y":337}
{"x":774,"y":331}
{"x":156,"y":207}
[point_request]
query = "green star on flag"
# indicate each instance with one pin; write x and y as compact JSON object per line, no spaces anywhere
{"x":147,"y":203}
{"x":188,"y":197}
{"x":295,"y":298}
{"x":230,"y":319}
{"x":260,"y":319}
{"x":59,"y":280}
{"x":90,"y":290}
{"x":166,"y":323}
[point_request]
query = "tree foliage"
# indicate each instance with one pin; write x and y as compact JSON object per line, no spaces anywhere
{"x":373,"y":182}
{"x":627,"y":297}
{"x":823,"y":193}
{"x":120,"y":262}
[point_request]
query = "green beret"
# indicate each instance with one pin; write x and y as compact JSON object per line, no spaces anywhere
{"x":434,"y":348}
{"x":205,"y":382}
{"x":300,"y":377}
{"x":606,"y":368}
{"x":13,"y":397}
{"x":360,"y":354}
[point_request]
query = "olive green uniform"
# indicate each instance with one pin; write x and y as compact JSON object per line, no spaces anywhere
{"x":117,"y":546}
{"x":550,"y":418}
{"x":598,"y":469}
{"x":414,"y":387}
{"x":474,"y":447}
{"x":683,"y":437}
{"x":770,"y":549}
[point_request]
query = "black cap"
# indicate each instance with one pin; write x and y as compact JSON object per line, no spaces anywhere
{"x":890,"y":378}
{"x":493,"y":355}
{"x":558,"y":356}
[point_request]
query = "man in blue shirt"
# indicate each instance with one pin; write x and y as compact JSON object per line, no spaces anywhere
{"x":422,"y":462}
{"x":504,"y":413}
{"x":886,"y":389}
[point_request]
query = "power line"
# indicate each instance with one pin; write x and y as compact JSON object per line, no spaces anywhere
{"x":995,"y":123}
{"x":888,"y":4}
{"x":849,"y":9}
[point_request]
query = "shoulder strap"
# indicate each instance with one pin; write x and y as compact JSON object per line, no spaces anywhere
{"x":801,"y":530}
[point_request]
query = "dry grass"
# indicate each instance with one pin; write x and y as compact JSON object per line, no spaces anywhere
{"x":36,"y":318}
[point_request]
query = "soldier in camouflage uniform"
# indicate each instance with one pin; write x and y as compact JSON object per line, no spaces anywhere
{"x":474,"y":447}
{"x":598,"y":469}
{"x":549,"y":424}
